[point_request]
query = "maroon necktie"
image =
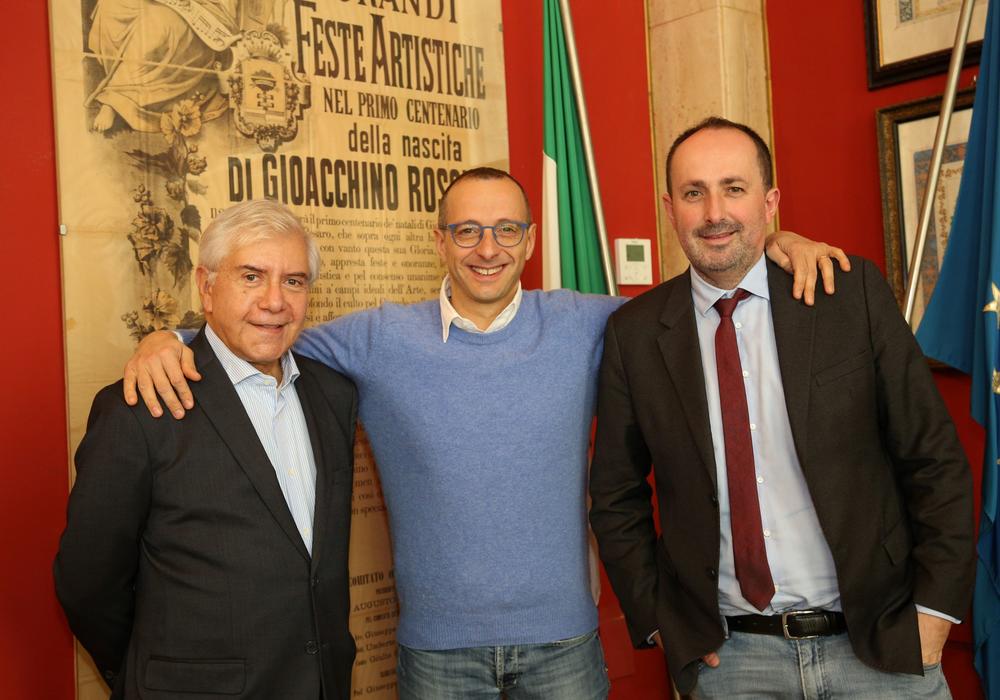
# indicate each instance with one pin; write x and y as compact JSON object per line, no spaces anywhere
{"x":752,"y":570}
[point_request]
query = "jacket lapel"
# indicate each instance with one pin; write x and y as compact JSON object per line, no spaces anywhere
{"x":312,"y":401}
{"x":793,"y":336}
{"x":682,"y":357}
{"x":219,"y":401}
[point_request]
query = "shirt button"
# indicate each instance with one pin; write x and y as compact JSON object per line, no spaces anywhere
{"x":745,"y":374}
{"x":760,"y":480}
{"x":311,"y":647}
{"x":753,"y":426}
{"x":767,"y":533}
{"x":738,"y":325}
{"x":292,"y":472}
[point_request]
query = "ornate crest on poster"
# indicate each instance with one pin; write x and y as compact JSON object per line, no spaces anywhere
{"x":266,"y":97}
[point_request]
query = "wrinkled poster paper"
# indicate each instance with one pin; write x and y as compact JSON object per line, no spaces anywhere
{"x":357,"y":113}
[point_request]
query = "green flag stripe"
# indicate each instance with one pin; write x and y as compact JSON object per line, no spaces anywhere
{"x":580,"y":260}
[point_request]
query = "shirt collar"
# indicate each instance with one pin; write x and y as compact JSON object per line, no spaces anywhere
{"x":449,"y":315}
{"x":240,"y":370}
{"x":705,"y":295}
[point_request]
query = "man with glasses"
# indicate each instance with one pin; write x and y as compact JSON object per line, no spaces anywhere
{"x":479,"y":407}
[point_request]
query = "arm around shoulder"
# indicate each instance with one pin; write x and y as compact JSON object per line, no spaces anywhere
{"x":160,"y":368}
{"x":344,"y":344}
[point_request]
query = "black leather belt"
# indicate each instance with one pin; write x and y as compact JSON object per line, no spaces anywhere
{"x":795,"y":624}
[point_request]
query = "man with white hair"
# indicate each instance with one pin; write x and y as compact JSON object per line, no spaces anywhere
{"x":209,"y":555}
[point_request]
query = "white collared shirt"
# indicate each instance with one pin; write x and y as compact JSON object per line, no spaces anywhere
{"x":449,"y":315}
{"x":798,"y":554}
{"x":276,"y":414}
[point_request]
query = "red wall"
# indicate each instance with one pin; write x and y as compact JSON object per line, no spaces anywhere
{"x":827,"y":164}
{"x":36,"y":649}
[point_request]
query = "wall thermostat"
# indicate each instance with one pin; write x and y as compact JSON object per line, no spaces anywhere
{"x":633,"y":261}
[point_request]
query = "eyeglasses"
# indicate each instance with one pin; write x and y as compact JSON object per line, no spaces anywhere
{"x":468,"y":234}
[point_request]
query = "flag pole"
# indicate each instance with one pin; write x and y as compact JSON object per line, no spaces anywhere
{"x":588,"y":149}
{"x":944,"y":122}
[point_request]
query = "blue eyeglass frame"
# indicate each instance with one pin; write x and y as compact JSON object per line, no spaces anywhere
{"x":482,"y":232}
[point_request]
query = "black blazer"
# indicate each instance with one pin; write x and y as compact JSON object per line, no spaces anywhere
{"x":877,"y":447}
{"x":181,"y":569}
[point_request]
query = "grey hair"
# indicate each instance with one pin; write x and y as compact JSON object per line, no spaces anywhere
{"x":251,"y":222}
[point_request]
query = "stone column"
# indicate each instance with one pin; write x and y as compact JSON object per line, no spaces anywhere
{"x":706,"y":57}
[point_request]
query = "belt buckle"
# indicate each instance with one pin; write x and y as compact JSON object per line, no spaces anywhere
{"x":795,"y":613}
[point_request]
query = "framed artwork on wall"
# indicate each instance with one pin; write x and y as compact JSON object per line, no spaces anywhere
{"x":905,"y":142}
{"x":913,"y":38}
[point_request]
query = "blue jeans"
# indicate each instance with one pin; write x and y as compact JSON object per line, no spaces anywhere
{"x":570,"y":669}
{"x":764,"y":666}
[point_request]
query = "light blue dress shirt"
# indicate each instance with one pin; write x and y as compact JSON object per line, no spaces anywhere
{"x":802,"y":567}
{"x":801,"y":563}
{"x":276,"y":414}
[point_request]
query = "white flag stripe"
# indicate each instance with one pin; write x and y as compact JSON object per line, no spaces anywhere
{"x":551,"y":270}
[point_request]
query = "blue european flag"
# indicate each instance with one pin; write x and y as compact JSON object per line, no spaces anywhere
{"x":961,"y":326}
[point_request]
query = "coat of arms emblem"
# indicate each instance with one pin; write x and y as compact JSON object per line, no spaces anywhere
{"x":266,"y":96}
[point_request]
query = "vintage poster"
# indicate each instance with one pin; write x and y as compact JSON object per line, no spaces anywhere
{"x":356,"y":113}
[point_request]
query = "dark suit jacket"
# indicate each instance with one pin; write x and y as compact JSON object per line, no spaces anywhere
{"x":181,"y":569}
{"x":879,"y":453}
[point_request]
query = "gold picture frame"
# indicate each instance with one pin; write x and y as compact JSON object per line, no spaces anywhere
{"x":905,"y":141}
{"x":909,"y":39}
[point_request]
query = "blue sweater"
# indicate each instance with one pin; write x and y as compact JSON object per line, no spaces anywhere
{"x":481,"y":444}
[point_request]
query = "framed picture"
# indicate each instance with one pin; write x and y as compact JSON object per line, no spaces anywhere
{"x":913,"y":38}
{"x":905,"y":142}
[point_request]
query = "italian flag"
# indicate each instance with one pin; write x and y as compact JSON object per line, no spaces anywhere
{"x":571,"y":257}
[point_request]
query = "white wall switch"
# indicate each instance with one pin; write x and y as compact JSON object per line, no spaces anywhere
{"x":633,"y":261}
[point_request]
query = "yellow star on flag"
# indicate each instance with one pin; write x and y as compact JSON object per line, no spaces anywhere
{"x":994,"y":305}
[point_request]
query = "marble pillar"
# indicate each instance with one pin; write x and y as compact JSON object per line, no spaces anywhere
{"x":706,"y":57}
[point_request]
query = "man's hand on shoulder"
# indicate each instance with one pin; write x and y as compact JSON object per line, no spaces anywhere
{"x":160,"y":368}
{"x":801,"y":257}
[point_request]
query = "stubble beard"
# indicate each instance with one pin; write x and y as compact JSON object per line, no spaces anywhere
{"x":737,"y":257}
